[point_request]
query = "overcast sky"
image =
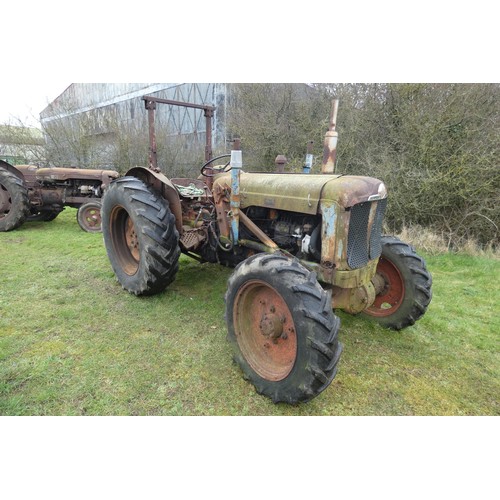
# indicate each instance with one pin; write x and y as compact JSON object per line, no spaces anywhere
{"x":23,"y":100}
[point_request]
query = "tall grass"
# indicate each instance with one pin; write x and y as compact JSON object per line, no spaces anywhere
{"x":433,"y":243}
{"x":72,"y":342}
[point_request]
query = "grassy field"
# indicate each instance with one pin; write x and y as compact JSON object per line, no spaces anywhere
{"x":72,"y":342}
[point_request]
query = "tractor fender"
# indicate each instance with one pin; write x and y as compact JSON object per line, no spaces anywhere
{"x":12,"y":169}
{"x":164,"y":186}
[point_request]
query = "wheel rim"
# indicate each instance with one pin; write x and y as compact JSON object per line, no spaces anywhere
{"x":5,"y":201}
{"x":265,"y":330}
{"x":388,"y":301}
{"x":91,"y":218}
{"x":125,"y":240}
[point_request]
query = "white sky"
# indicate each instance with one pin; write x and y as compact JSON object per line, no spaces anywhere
{"x":23,"y":100}
{"x":363,"y":42}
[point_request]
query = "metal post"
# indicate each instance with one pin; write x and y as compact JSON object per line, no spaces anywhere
{"x":153,"y":163}
{"x":306,"y":169}
{"x":209,"y":113}
{"x":236,"y":165}
{"x":151,"y":106}
{"x":280,"y":163}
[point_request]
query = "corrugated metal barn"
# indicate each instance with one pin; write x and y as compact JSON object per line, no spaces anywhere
{"x":104,"y":125}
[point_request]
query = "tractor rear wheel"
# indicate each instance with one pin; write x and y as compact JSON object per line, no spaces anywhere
{"x":14,"y":203}
{"x":404,"y":285}
{"x":89,"y":217}
{"x":140,"y":236}
{"x":282,"y":328}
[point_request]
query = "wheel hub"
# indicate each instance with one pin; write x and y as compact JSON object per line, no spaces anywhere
{"x":271,"y":326}
{"x":265,"y":330}
{"x":92,"y":217}
{"x":389,"y":287}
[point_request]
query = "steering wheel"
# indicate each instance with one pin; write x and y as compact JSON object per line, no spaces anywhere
{"x":205,"y":165}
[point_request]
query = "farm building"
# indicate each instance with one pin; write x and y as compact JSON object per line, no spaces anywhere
{"x":104,"y":125}
{"x":21,"y":145}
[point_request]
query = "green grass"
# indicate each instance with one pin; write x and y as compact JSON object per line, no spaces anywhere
{"x":72,"y":342}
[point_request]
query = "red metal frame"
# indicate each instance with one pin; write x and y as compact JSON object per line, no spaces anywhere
{"x":150,"y":103}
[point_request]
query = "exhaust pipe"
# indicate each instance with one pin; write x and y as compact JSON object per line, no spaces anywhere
{"x":330,"y":144}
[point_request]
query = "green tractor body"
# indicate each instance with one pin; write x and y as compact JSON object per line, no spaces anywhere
{"x":303,"y":245}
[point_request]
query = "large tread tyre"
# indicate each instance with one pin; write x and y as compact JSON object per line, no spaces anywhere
{"x":14,"y":202}
{"x":407,"y":290}
{"x":140,"y":237}
{"x":282,"y":328}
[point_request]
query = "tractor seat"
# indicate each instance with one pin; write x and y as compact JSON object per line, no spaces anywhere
{"x":191,"y":188}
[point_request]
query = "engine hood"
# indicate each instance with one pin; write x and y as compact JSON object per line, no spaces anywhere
{"x":303,"y":192}
{"x":63,"y":174}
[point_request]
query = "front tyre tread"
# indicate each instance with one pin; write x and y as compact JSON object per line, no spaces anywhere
{"x":318,"y":347}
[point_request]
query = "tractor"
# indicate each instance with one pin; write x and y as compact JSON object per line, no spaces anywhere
{"x":303,"y":245}
{"x":29,"y":193}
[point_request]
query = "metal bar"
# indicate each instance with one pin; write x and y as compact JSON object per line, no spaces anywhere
{"x":257,"y":246}
{"x":236,"y":165}
{"x":178,"y":103}
{"x":306,"y":169}
{"x":333,"y":115}
{"x":153,"y":162}
{"x":251,"y":226}
{"x":209,"y":113}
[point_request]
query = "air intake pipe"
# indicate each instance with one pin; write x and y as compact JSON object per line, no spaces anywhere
{"x":236,"y":166}
{"x":330,"y":144}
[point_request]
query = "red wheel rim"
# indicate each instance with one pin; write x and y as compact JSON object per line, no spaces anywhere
{"x":265,"y":330}
{"x":388,"y":301}
{"x":91,"y":218}
{"x":125,"y":240}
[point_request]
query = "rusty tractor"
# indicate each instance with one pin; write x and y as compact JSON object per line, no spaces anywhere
{"x":29,"y":193}
{"x":303,"y":245}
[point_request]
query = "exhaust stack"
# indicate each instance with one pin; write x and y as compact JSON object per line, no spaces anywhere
{"x":330,"y":144}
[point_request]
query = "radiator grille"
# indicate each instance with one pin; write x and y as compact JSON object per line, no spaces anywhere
{"x":362,"y":247}
{"x":357,"y":248}
{"x":376,"y":232}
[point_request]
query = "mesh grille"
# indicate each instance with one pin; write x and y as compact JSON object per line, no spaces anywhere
{"x":357,"y":251}
{"x":376,"y":233}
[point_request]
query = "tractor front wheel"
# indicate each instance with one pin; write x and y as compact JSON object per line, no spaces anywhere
{"x":89,"y":217}
{"x":282,"y":328}
{"x":403,"y":284}
{"x":140,"y":237}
